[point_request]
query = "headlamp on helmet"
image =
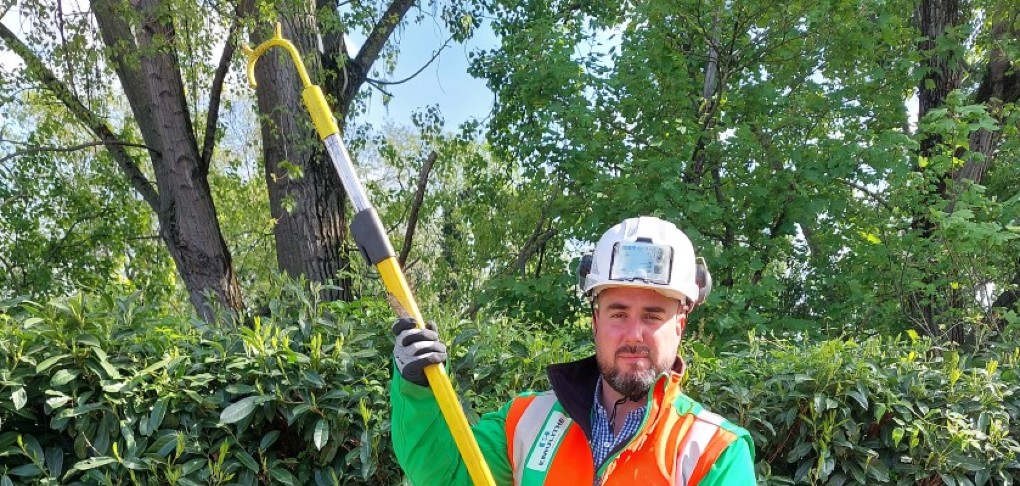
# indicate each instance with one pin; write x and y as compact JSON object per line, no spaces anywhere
{"x":639,"y":260}
{"x":646,"y":252}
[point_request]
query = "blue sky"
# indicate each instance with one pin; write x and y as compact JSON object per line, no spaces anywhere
{"x":445,"y":82}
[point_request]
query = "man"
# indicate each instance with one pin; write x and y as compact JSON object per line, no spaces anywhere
{"x":617,"y":418}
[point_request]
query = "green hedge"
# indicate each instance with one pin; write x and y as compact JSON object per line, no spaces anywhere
{"x":875,"y":411}
{"x":109,"y":392}
{"x":106,"y":390}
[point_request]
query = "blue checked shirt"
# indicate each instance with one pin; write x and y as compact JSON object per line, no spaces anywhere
{"x":602,"y":440}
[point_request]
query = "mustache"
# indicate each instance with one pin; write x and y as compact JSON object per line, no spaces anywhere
{"x":638,"y":350}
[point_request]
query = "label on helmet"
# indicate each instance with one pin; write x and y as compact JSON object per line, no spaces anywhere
{"x":641,"y":261}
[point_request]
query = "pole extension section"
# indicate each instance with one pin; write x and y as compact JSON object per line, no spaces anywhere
{"x":373,"y":243}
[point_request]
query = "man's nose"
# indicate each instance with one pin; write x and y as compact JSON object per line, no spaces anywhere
{"x":632,"y":330}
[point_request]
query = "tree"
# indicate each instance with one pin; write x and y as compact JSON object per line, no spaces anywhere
{"x":776,"y":135}
{"x":971,"y":150}
{"x":141,"y":46}
{"x":306,"y":196}
{"x":67,"y":218}
{"x":470,"y":232}
{"x":159,"y":50}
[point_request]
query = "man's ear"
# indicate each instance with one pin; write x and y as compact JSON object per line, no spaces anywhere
{"x":594,"y":319}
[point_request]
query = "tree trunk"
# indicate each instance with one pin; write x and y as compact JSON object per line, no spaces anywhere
{"x":145,"y":63}
{"x":306,"y":197}
{"x":943,"y":74}
{"x":1000,"y":85}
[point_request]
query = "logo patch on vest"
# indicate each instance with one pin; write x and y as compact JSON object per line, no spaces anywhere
{"x":553,"y":431}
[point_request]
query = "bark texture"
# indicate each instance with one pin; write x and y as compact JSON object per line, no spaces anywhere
{"x":943,"y":73}
{"x":940,"y":20}
{"x":308,"y":200}
{"x":305,"y":195}
{"x":144,"y":59}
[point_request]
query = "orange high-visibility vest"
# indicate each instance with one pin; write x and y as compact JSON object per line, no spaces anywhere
{"x":676,"y":445}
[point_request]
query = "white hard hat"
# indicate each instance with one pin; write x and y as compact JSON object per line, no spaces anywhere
{"x":646,"y":252}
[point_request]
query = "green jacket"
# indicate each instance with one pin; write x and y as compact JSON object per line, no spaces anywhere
{"x":426,"y":451}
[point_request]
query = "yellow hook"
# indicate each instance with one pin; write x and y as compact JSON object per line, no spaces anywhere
{"x":389,"y":268}
{"x":276,"y":41}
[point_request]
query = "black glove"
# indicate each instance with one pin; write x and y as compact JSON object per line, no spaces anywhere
{"x":415,"y":349}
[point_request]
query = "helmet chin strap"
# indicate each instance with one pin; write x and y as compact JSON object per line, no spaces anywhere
{"x":616,"y":406}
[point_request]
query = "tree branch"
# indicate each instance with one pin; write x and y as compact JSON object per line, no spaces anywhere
{"x":876,"y":197}
{"x":435,"y":55}
{"x":370,"y":50}
{"x":1008,"y":299}
{"x":73,"y":148}
{"x":419,"y":197}
{"x":92,"y":121}
{"x":373,"y":45}
{"x":57,"y":246}
{"x":375,"y":84}
{"x":216,"y":91}
{"x":535,"y":243}
{"x":999,"y":86}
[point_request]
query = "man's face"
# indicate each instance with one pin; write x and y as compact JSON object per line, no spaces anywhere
{"x":637,"y":332}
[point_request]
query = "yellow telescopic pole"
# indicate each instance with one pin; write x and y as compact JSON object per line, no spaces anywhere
{"x":372,"y":241}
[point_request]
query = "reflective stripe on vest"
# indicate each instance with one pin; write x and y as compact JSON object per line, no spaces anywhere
{"x":536,"y":428}
{"x":547,"y":448}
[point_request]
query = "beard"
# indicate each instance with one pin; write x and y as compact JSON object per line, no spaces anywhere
{"x":633,"y":384}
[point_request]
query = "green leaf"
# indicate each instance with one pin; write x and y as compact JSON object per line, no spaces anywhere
{"x":241,"y":409}
{"x":26,"y":471}
{"x":92,"y":463}
{"x":33,"y":448}
{"x":156,"y":417}
{"x":104,"y":362}
{"x":90,"y":340}
{"x":164,"y":444}
{"x":880,"y":410}
{"x":321,"y":434}
{"x":31,"y":321}
{"x":48,"y":362}
{"x":55,"y":461}
{"x":314,"y":378}
{"x":282,"y":475}
{"x":897,"y":436}
{"x":269,"y":439}
{"x":136,"y":464}
{"x":20,"y":397}
{"x":879,"y":472}
{"x":297,"y":412}
{"x":6,"y":481}
{"x":798,"y":452}
{"x":239,"y":389}
{"x":367,"y":464}
{"x":193,"y":465}
{"x":101,"y":441}
{"x":63,"y":377}
{"x":245,"y":459}
{"x":153,"y":367}
{"x":860,"y":397}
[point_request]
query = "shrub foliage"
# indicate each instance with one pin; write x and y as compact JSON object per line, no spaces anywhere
{"x":106,"y":390}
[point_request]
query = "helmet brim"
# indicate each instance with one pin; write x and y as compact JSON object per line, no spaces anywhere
{"x":661,"y":289}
